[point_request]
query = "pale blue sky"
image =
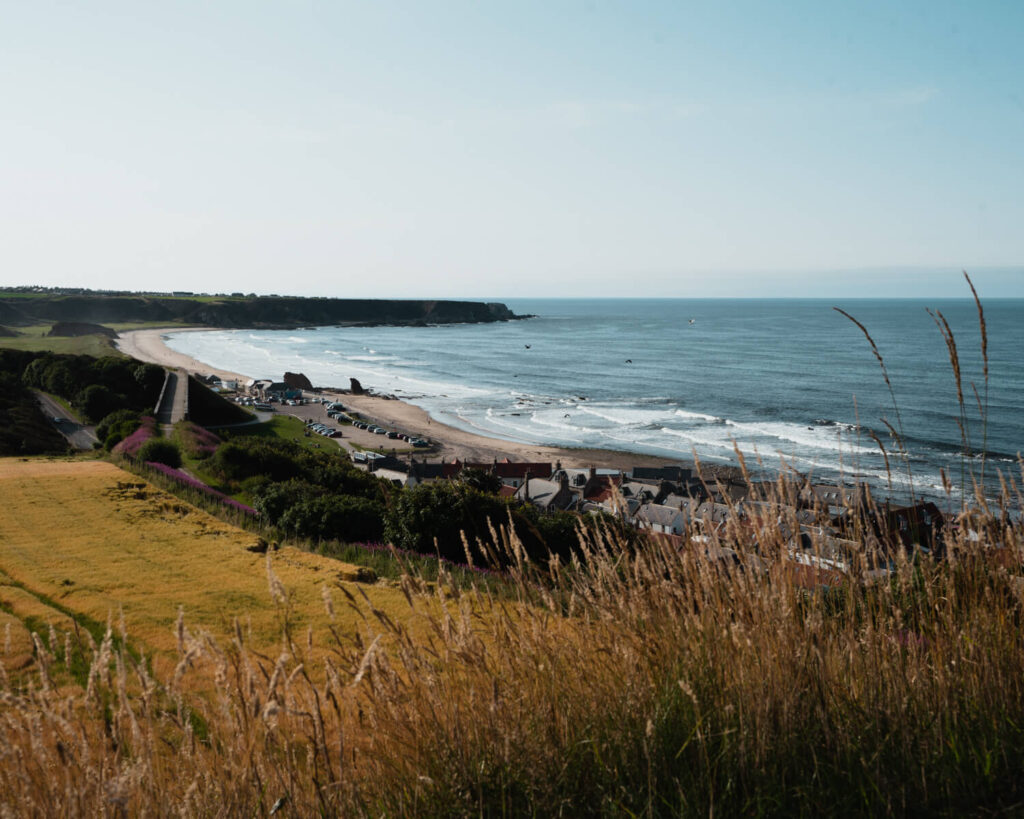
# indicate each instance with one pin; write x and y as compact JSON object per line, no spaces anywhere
{"x":482,"y":149}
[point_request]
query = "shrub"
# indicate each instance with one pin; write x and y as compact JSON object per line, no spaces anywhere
{"x":188,"y":481}
{"x":335,"y":517}
{"x":131,"y":444}
{"x":117,"y":426}
{"x":197,"y":441}
{"x":161,"y":451}
{"x":438,"y":513}
{"x":274,"y":499}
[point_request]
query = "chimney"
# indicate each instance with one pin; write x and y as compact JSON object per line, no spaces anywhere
{"x":526,"y":486}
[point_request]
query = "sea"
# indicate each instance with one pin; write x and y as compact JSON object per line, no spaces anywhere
{"x":789,"y":385}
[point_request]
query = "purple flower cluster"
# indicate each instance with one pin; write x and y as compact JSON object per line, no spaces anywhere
{"x":198,"y":441}
{"x":133,"y":443}
{"x":188,"y":480}
{"x":465,"y":567}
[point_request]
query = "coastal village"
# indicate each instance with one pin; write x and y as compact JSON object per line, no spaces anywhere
{"x":825,"y":527}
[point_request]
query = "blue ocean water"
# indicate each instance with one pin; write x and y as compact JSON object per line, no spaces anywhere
{"x":790,"y":384}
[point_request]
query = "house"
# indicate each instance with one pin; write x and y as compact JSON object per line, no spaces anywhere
{"x":577,"y":477}
{"x":813,"y":546}
{"x":916,"y":525}
{"x":664,"y":519}
{"x":614,"y":504}
{"x":835,"y":500}
{"x":424,"y":471}
{"x":513,"y":473}
{"x":672,"y":474}
{"x":396,"y":476}
{"x":594,"y":485}
{"x":646,"y":492}
{"x":711,"y":516}
{"x":545,"y":494}
{"x":684,"y":502}
{"x":282,"y":391}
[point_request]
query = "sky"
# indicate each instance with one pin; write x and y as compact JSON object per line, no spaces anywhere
{"x":488,"y":150}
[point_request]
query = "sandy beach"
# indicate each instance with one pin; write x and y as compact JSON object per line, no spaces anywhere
{"x":451,"y":443}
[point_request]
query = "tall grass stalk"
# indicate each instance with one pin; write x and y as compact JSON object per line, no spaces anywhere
{"x":982,"y":406}
{"x":897,"y":431}
{"x":646,"y":681}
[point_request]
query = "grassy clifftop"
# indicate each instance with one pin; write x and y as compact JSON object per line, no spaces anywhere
{"x":19,"y":308}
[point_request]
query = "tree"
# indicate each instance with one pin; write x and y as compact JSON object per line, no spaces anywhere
{"x":441,"y":512}
{"x":482,"y":480}
{"x":272,"y":500}
{"x":97,"y":401}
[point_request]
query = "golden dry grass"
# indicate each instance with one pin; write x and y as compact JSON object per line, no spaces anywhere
{"x":645,"y":681}
{"x":98,"y":541}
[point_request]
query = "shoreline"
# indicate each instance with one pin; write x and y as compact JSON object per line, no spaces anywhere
{"x":148,"y":345}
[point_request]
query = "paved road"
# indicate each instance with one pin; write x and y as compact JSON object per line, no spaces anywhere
{"x":78,"y":434}
{"x":172,"y":407}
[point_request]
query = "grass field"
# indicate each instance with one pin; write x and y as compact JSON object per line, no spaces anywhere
{"x":288,"y":428}
{"x":34,"y":339}
{"x":88,"y":540}
{"x":635,"y":682}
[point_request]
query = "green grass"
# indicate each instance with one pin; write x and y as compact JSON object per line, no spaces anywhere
{"x":34,"y":339}
{"x":126,"y":326}
{"x":288,"y":428}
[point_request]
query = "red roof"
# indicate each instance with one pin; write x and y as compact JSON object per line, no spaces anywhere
{"x":602,"y":488}
{"x":510,"y":469}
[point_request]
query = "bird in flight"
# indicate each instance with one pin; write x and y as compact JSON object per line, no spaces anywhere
{"x":629,"y":360}
{"x":527,"y":346}
{"x":693,"y":321}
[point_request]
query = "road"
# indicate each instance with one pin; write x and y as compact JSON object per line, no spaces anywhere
{"x":172,"y":407}
{"x":78,"y":434}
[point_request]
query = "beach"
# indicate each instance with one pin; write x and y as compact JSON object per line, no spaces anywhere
{"x":450,"y":442}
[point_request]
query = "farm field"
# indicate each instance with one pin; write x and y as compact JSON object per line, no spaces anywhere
{"x":84,"y":539}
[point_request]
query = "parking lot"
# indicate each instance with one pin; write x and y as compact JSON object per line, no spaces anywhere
{"x":362,"y":433}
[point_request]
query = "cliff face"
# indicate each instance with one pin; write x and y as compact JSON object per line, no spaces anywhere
{"x":247,"y":312}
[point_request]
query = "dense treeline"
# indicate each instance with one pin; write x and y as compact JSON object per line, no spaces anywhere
{"x":95,"y":387}
{"x":305,"y":493}
{"x":24,"y":430}
{"x":317,"y":495}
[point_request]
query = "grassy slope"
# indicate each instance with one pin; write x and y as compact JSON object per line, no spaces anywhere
{"x":34,"y":338}
{"x":82,"y":535}
{"x":288,"y":428}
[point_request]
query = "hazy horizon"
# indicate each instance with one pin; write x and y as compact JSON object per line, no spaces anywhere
{"x":455,"y":149}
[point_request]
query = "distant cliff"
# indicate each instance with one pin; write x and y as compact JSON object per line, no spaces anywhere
{"x":252,"y":311}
